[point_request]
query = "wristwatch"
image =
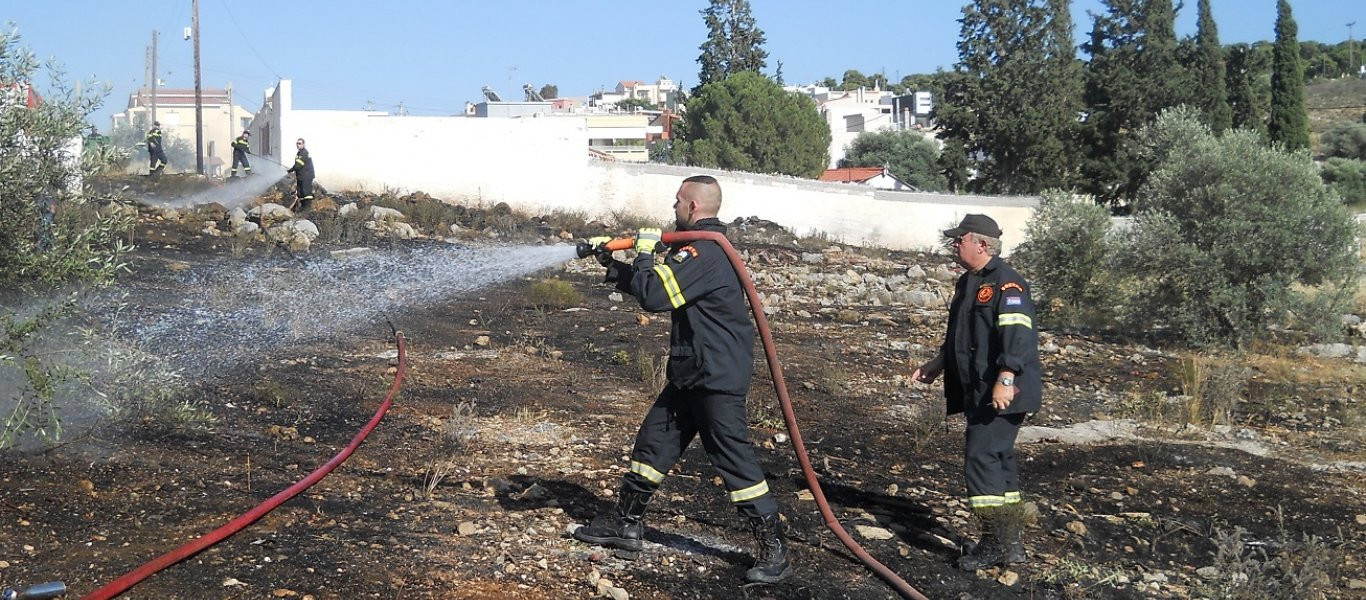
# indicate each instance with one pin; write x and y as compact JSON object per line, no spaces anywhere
{"x":1006,"y":380}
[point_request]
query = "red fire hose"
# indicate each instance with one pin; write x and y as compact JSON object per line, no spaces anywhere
{"x":779,"y":386}
{"x":122,"y":584}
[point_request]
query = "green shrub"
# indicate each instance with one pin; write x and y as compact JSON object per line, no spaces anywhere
{"x":1231,"y":240}
{"x":1345,"y":141}
{"x":555,"y":293}
{"x":1064,"y":255}
{"x":1347,"y":177}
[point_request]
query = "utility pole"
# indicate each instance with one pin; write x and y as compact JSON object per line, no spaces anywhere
{"x":198,"y":98}
{"x":154,"y":76}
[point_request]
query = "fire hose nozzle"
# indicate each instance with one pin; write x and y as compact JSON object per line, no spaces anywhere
{"x":595,"y":246}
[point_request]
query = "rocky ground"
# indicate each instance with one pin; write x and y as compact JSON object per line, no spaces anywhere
{"x":1153,"y":473}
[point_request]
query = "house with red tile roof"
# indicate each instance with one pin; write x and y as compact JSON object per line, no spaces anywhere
{"x":875,"y":177}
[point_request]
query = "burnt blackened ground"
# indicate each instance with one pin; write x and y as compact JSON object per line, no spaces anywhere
{"x":531,"y":409}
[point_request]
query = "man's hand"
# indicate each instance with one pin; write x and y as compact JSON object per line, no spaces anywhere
{"x":929,"y":371}
{"x":1002,"y":395}
{"x":647,"y":239}
{"x":597,"y":242}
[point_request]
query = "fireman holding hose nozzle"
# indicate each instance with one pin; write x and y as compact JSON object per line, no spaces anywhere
{"x":711,"y":361}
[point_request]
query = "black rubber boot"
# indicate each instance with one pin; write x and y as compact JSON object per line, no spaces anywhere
{"x":1010,"y":526}
{"x":623,"y":528}
{"x":990,"y":551}
{"x":772,"y":563}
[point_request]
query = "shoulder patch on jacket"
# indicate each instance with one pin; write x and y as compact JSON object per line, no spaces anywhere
{"x":1012,"y":285}
{"x":684,"y":254}
{"x":1014,"y":301}
{"x":985,"y":292}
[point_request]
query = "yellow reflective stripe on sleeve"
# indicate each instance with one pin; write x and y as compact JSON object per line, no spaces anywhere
{"x":749,"y":493}
{"x":299,"y":162}
{"x":666,"y":277}
{"x":1014,"y":319}
{"x":986,"y":501}
{"x":646,"y":471}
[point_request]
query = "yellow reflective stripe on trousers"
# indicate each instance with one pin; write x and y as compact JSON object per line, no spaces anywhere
{"x":646,"y":471}
{"x":749,"y":493}
{"x":1012,"y":497}
{"x":666,"y":277}
{"x":986,"y":501}
{"x":1014,"y":319}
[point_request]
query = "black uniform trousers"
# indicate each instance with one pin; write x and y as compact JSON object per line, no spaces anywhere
{"x":305,"y":191}
{"x":722,"y":422}
{"x":989,"y":459}
{"x":156,"y":158}
{"x":239,"y":157}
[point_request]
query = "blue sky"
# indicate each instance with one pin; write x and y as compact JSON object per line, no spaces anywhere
{"x":434,"y":56}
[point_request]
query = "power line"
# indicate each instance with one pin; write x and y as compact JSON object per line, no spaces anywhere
{"x":244,"y":39}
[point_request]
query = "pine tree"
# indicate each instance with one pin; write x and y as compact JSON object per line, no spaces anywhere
{"x":1021,"y":92}
{"x":1133,"y":74}
{"x":1288,"y":123}
{"x":734,"y":42}
{"x":1208,"y":72}
{"x":748,"y":123}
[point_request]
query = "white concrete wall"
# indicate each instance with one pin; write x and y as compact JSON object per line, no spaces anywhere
{"x":542,"y":164}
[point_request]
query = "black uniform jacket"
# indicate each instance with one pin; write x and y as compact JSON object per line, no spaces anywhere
{"x":991,"y":327}
{"x":242,"y":144}
{"x":154,"y":138}
{"x":711,"y":340}
{"x":303,"y":165}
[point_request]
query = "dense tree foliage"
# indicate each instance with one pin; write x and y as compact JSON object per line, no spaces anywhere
{"x":748,"y":123}
{"x":1014,"y":108}
{"x":1133,"y":74}
{"x":735,"y":44}
{"x":1288,"y":123}
{"x":1208,"y":90}
{"x":1346,"y":141}
{"x":908,"y":155}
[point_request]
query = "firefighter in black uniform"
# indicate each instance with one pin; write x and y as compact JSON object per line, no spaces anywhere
{"x":240,"y":148}
{"x":303,"y":177}
{"x":156,"y":154}
{"x":990,"y":361}
{"x":711,"y":358}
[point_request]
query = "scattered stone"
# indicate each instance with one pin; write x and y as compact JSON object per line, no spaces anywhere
{"x":466,"y":528}
{"x":1207,"y":572}
{"x":1246,"y":481}
{"x":380,"y":213}
{"x":1008,"y":579}
{"x":869,"y":532}
{"x":1356,"y":584}
{"x":1076,"y":527}
{"x":1221,"y":471}
{"x":616,"y":297}
{"x":481,"y":341}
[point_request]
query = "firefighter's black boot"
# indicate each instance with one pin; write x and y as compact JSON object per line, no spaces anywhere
{"x":1010,"y":528}
{"x":990,"y":551}
{"x":623,"y":528}
{"x":772,"y":563}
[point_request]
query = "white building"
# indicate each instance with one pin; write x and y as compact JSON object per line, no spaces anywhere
{"x":853,"y":113}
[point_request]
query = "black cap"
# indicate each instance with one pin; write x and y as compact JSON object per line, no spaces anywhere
{"x":156,"y":123}
{"x":980,"y":224}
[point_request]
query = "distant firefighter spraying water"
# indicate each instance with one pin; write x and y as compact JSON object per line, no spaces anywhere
{"x":156,"y":153}
{"x":241,"y":147}
{"x":711,"y":362}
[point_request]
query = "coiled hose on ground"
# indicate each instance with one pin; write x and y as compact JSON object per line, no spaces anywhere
{"x":122,"y":584}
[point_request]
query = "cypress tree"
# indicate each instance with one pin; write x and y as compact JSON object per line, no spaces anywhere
{"x":1288,"y":123}
{"x":1208,"y":72}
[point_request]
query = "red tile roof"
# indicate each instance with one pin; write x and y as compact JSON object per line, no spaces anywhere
{"x":851,"y":174}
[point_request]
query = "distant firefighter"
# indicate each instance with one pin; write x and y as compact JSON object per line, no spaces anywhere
{"x":156,"y":155}
{"x":240,"y":148}
{"x":303,"y":177}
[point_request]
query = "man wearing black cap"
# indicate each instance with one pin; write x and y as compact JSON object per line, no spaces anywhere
{"x":990,"y":361}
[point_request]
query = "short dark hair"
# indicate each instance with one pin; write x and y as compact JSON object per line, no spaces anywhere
{"x":703,"y":179}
